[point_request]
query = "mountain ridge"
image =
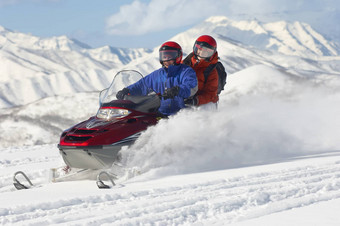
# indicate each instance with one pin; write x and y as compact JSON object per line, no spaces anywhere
{"x":32,"y":68}
{"x":27,"y":55}
{"x":286,"y":36}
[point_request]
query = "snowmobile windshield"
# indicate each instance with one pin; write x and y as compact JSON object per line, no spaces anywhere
{"x":166,"y":55}
{"x":121,"y":80}
{"x":203,"y":50}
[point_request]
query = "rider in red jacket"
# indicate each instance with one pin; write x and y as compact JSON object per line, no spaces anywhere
{"x":204,"y":54}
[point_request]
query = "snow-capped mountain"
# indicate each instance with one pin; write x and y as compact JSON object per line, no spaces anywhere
{"x":293,"y":47}
{"x":32,"y":68}
{"x":24,"y":56}
{"x":296,"y":38}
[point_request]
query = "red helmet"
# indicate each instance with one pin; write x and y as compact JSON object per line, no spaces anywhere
{"x":170,"y":51}
{"x":205,"y":46}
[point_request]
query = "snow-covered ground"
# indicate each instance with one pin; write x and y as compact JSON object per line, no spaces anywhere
{"x":291,"y":191}
{"x":268,"y":156}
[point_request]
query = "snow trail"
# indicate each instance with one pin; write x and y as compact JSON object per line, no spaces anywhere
{"x":221,"y":196}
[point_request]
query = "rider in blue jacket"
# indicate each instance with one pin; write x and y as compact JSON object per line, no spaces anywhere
{"x":175,"y":81}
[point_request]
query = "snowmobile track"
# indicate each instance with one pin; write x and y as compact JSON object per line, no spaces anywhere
{"x":225,"y":199}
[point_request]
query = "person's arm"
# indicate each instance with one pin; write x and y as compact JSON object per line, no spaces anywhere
{"x":209,"y":91}
{"x":188,"y":86}
{"x":142,"y":87}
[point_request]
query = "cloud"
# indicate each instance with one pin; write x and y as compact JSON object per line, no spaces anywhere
{"x":140,"y":18}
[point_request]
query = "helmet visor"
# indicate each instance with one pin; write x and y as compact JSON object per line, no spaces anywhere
{"x":166,"y":55}
{"x":203,"y":50}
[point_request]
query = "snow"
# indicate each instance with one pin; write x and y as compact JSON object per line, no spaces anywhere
{"x":300,"y":216}
{"x":269,"y":155}
{"x":270,"y":152}
{"x":303,"y":190}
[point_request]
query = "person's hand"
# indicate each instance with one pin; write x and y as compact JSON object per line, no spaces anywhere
{"x":191,"y":101}
{"x":122,"y":93}
{"x":171,"y":92}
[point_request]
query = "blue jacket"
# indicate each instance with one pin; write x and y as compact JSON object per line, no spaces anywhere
{"x":164,"y":78}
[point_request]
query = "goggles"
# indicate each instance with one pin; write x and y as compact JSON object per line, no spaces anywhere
{"x":203,"y":50}
{"x":166,"y":55}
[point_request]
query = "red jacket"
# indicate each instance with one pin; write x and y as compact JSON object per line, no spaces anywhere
{"x":207,"y":90}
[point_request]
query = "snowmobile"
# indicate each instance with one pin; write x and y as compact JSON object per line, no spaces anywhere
{"x":94,"y":144}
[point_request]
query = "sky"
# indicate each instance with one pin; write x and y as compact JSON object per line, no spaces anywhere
{"x":148,"y":23}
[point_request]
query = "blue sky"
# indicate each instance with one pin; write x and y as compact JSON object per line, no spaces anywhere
{"x":148,"y":23}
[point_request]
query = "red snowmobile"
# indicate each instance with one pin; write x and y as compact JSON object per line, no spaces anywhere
{"x":95,"y":143}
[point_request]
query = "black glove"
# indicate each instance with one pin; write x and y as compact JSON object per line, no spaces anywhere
{"x":191,"y":101}
{"x":171,"y":93}
{"x":122,"y":93}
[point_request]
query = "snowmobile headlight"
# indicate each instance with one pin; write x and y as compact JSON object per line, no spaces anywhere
{"x":109,"y":113}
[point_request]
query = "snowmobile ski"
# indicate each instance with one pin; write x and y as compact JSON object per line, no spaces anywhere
{"x":110,"y":176}
{"x":17,"y":184}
